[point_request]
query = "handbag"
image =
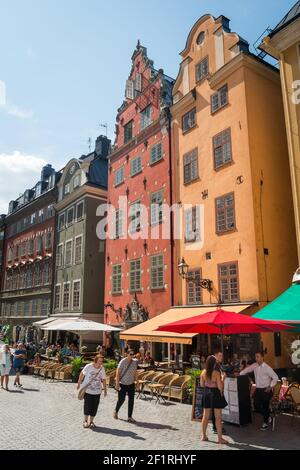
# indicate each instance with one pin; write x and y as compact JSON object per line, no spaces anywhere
{"x":83,"y":390}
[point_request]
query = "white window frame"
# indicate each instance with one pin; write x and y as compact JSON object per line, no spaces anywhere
{"x":71,"y":251}
{"x":77,"y":178}
{"x":79,"y":203}
{"x":71,"y":209}
{"x":63,"y":296}
{"x":156,"y":156}
{"x":133,"y":171}
{"x":61,"y":261}
{"x":76,"y":281}
{"x":76,"y":238}
{"x":63,"y":215}
{"x":119,"y":171}
{"x":59,"y":298}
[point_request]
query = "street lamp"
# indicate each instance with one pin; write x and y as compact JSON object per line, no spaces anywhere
{"x":183,"y":270}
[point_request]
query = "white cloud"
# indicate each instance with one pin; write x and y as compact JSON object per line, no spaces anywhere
{"x":18,"y":173}
{"x":19,"y":112}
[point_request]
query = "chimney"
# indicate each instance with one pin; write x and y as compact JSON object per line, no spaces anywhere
{"x":102,"y":146}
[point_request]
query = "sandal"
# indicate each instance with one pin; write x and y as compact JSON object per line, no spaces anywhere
{"x":204,"y":439}
{"x":93,"y":426}
{"x":86,"y":425}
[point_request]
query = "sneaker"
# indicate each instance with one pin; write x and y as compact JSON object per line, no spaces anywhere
{"x":131,"y":420}
{"x":116,"y":415}
{"x":264,"y":427}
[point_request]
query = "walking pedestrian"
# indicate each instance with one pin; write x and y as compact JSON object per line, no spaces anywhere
{"x":5,"y":365}
{"x":19,"y":363}
{"x":92,"y":379}
{"x":265,"y":379}
{"x":126,"y":378}
{"x":213,"y":398}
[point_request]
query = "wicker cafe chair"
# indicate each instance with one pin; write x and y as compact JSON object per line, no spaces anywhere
{"x":178,"y":387}
{"x":51,"y":372}
{"x":295,"y":397}
{"x":44,"y":370}
{"x":154,"y":379}
{"x":47,"y":371}
{"x":275,"y":405}
{"x":65,"y":373}
{"x":37,"y":369}
{"x":166,"y":380}
{"x":111,"y":378}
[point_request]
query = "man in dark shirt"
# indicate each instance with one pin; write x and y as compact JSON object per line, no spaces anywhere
{"x":19,"y":363}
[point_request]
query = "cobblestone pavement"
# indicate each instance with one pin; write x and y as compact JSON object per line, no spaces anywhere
{"x":47,"y":415}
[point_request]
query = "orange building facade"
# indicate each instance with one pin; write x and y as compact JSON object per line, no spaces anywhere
{"x":232,"y":176}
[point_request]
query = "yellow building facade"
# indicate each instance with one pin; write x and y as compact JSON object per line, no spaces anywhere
{"x":232,"y":175}
{"x":284,"y":45}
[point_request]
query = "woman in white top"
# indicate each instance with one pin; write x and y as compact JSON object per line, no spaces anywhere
{"x":92,"y":378}
{"x":5,"y":365}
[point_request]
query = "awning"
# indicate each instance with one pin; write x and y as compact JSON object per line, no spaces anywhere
{"x":146,"y":331}
{"x":48,"y":321}
{"x":286,"y":308}
{"x":78,"y":326}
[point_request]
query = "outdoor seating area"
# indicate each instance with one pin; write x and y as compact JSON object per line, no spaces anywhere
{"x":53,"y":370}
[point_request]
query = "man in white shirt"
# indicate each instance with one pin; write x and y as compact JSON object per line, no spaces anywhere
{"x":265,"y":379}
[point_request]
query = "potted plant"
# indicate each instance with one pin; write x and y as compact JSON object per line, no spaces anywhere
{"x":77,"y":364}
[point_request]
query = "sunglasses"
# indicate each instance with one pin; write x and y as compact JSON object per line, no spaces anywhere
{"x":131,"y":354}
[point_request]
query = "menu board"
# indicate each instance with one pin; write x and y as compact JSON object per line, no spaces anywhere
{"x":197,"y":408}
{"x":237,"y":395}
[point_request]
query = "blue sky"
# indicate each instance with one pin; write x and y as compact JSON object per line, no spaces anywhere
{"x":65,"y":62}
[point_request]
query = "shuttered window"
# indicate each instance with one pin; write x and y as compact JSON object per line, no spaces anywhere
{"x":156,"y":153}
{"x":192,"y":224}
{"x":117,"y":279}
{"x":225,"y":213}
{"x":190,"y":166}
{"x":219,"y":99}
{"x":228,"y":282}
{"x":135,"y":276}
{"x":202,"y":69}
{"x":157,"y":272}
{"x":222,"y":148}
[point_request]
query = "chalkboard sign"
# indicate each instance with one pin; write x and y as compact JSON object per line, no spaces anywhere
{"x":197,"y":408}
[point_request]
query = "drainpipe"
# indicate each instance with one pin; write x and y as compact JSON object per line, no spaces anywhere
{"x":172,"y":244}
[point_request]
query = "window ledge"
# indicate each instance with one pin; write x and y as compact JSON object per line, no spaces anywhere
{"x":219,"y":109}
{"x":189,"y":130}
{"x":225,"y":165}
{"x":188,"y":183}
{"x":226,"y":232}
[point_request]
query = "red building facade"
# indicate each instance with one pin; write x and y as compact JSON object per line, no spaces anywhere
{"x":139,"y":265}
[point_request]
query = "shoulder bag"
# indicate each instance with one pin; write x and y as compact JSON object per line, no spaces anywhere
{"x":83,"y":390}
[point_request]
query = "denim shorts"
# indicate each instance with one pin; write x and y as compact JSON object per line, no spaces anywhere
{"x":19,"y":369}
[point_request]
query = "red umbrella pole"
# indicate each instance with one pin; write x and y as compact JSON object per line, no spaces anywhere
{"x":222,"y":340}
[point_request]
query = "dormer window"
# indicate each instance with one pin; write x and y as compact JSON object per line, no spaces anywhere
{"x":77,"y":181}
{"x":200,"y":38}
{"x":67,"y":189}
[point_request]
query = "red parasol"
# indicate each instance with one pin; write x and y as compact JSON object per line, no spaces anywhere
{"x":223,"y":322}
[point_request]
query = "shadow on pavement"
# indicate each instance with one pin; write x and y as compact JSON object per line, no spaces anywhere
{"x":31,"y":389}
{"x":284,"y":437}
{"x":140,"y":424}
{"x":118,"y":432}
